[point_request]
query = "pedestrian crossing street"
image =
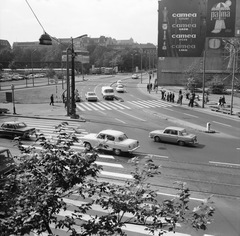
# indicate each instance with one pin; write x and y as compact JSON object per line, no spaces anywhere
{"x":112,"y":170}
{"x":127,"y":105}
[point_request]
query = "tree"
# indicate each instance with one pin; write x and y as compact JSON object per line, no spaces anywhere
{"x":34,"y":193}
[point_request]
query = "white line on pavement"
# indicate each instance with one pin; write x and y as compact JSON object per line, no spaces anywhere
{"x":120,"y":121}
{"x":221,"y":124}
{"x":108,"y":164}
{"x":107,"y":173}
{"x":190,"y":115}
{"x":174,"y":195}
{"x":224,"y":163}
{"x":131,"y":115}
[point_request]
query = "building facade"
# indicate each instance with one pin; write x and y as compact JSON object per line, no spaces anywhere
{"x":187,"y":45}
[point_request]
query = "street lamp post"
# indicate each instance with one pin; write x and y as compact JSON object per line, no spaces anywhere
{"x":73,"y":102}
{"x":32,"y":65}
{"x":233,"y":74}
{"x":13,"y":99}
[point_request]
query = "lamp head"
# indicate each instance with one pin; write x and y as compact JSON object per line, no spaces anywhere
{"x":45,"y":39}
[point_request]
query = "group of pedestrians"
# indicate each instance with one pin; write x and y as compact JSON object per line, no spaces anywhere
{"x":221,"y":101}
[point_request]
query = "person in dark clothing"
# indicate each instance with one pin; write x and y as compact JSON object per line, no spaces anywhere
{"x":51,"y":100}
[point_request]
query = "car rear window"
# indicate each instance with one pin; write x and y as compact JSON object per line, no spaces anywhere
{"x":109,"y":91}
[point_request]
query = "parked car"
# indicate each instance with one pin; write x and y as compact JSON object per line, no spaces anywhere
{"x":176,"y":135}
{"x":91,"y":96}
{"x":135,"y":76}
{"x":111,"y":140}
{"x":16,"y":129}
{"x":120,"y":88}
{"x":4,"y":110}
{"x":7,"y":162}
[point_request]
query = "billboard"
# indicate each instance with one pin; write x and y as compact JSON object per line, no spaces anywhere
{"x":181,"y":28}
{"x":221,"y":18}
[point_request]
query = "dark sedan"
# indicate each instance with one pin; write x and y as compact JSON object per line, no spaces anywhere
{"x":16,"y":129}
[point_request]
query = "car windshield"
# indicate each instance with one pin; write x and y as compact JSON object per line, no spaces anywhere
{"x":122,"y":137}
{"x":109,"y":91}
{"x":20,"y":125}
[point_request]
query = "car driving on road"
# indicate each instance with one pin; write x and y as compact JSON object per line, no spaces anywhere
{"x":120,"y":88}
{"x":16,"y":129}
{"x":111,"y":140}
{"x":135,"y":76}
{"x":175,"y":135}
{"x":91,"y":96}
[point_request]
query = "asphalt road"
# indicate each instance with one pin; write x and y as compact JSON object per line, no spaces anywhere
{"x":210,"y":168}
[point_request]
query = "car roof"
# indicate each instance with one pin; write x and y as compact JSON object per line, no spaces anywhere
{"x":91,"y":92}
{"x":175,"y":128}
{"x":12,"y":122}
{"x":111,"y":131}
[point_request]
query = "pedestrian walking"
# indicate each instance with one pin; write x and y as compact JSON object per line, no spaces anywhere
{"x":51,"y":100}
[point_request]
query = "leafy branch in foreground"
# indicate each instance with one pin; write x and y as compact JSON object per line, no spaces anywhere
{"x":57,"y":187}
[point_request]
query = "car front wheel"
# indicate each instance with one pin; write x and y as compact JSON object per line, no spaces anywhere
{"x":181,"y":143}
{"x":157,"y":139}
{"x":117,"y":152}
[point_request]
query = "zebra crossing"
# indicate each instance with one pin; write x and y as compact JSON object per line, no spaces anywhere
{"x":116,"y":105}
{"x":112,"y":170}
{"x":47,"y":127}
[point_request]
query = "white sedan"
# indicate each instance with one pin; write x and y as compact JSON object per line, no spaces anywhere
{"x":110,"y":140}
{"x":120,"y":88}
{"x":91,"y":96}
{"x":135,"y":76}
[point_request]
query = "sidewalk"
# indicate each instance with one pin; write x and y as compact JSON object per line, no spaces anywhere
{"x":213,"y":99}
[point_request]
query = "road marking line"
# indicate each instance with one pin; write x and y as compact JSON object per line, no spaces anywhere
{"x":97,"y":106}
{"x":174,"y":195}
{"x":123,"y":105}
{"x":108,"y":164}
{"x":224,"y":163}
{"x":131,"y":115}
{"x":158,"y":156}
{"x":120,"y":121}
{"x":222,"y":124}
{"x":107,"y":173}
{"x":190,"y":115}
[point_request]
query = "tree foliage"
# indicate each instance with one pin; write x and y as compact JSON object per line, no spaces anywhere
{"x":36,"y":192}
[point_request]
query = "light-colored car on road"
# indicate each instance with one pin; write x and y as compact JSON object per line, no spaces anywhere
{"x":135,"y":76}
{"x":110,"y":140}
{"x":108,"y":92}
{"x":120,"y":88}
{"x":175,"y":135}
{"x":91,"y":96}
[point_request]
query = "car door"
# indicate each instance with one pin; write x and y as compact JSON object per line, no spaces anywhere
{"x":110,"y":142}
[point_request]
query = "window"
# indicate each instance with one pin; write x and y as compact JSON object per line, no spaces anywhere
{"x":174,"y":132}
{"x":101,"y":136}
{"x":110,"y":138}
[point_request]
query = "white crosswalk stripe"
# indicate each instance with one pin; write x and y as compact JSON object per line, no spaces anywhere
{"x":110,"y":169}
{"x":113,"y":105}
{"x":132,"y":229}
{"x":47,"y":128}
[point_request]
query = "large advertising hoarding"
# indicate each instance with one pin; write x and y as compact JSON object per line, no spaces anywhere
{"x":221,"y":18}
{"x":181,"y":28}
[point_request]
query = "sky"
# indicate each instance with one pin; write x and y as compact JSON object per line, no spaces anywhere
{"x":119,"y":19}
